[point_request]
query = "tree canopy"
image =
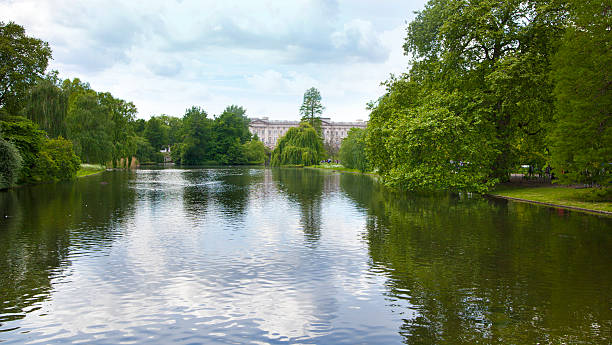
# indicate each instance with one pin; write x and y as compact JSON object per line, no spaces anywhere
{"x":312,"y":108}
{"x":352,"y":150}
{"x":581,"y":139}
{"x":477,"y":100}
{"x":23,"y":61}
{"x":299,"y":146}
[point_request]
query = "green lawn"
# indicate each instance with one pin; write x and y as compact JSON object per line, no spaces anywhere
{"x":338,"y":167}
{"x":559,"y":195}
{"x":89,"y":169}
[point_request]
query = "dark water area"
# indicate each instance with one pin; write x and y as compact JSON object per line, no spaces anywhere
{"x":296,"y":256}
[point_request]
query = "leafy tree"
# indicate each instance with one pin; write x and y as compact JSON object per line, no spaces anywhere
{"x":10,"y":164}
{"x":312,"y":109}
{"x":90,"y":128}
{"x":432,"y":148}
{"x":352,"y":150}
{"x":299,"y":146}
{"x":23,"y":61}
{"x":46,"y":103}
{"x":480,"y":71}
{"x":28,"y":139}
{"x":582,"y":136}
{"x":198,"y":137}
{"x":56,"y":161}
{"x":138,"y":126}
{"x":144,"y":151}
{"x":494,"y":53}
{"x":156,"y":133}
{"x":231,"y":131}
{"x":332,"y":150}
{"x":174,"y":127}
{"x":176,"y":152}
{"x":121,"y":113}
{"x":255,"y":151}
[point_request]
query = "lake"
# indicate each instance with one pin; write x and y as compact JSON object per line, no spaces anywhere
{"x":297,"y":256}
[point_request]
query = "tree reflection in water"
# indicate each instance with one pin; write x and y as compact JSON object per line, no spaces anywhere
{"x":475,"y":270}
{"x":37,"y":234}
{"x":304,"y":187}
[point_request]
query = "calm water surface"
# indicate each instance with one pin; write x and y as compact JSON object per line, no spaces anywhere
{"x":260,"y":256}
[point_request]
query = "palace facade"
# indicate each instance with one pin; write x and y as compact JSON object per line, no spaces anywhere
{"x":269,"y":131}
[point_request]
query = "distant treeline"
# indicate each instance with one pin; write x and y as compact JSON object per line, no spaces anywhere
{"x":48,"y":126}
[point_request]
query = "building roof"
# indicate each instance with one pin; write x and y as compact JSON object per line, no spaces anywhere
{"x":324,"y":121}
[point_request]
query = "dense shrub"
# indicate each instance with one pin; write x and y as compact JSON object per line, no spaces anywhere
{"x":28,"y":139}
{"x":352,"y":150}
{"x":56,"y":161}
{"x":10,"y":164}
{"x":255,"y":151}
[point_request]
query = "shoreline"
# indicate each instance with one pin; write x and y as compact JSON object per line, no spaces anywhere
{"x":542,"y":203}
{"x":343,"y":170}
{"x":491,"y":194}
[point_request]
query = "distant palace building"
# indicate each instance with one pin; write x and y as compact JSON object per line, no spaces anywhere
{"x":269,"y":131}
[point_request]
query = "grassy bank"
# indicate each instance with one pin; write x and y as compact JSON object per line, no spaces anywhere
{"x":558,"y":195}
{"x":90,"y":169}
{"x":339,"y":167}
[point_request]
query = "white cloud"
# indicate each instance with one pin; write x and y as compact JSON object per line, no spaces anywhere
{"x":166,"y":56}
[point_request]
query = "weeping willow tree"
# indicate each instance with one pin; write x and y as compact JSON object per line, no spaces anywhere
{"x":46,"y":104}
{"x":300,"y":146}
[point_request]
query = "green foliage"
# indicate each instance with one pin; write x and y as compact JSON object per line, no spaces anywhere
{"x":56,"y":161}
{"x":299,"y":146}
{"x":90,"y":128}
{"x":231,"y":131}
{"x":254,"y":151}
{"x":46,"y":103}
{"x":352,"y":150}
{"x":477,"y":101}
{"x":145,"y":153}
{"x":176,"y":152}
{"x":10,"y":164}
{"x":121,"y":113}
{"x":431,"y":148}
{"x":28,"y":139}
{"x":581,"y":142}
{"x":23,"y":61}
{"x":198,"y":137}
{"x":174,"y":127}
{"x":156,"y":133}
{"x":312,"y":109}
{"x":99,"y":124}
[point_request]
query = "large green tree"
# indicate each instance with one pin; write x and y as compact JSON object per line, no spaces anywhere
{"x":299,"y":146}
{"x":312,"y":108}
{"x":197,"y":143}
{"x":90,"y":128}
{"x":23,"y":61}
{"x":352,"y":150}
{"x":480,"y":70}
{"x":46,"y":103}
{"x":121,"y":114}
{"x":254,"y":151}
{"x":156,"y":132}
{"x":231,"y":131}
{"x":581,"y":143}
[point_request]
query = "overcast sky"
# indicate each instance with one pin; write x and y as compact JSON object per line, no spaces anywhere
{"x":166,"y":56}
